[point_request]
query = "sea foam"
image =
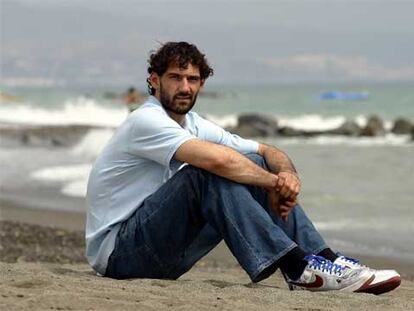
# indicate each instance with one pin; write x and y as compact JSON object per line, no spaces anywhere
{"x":72,"y":177}
{"x":76,"y":111}
{"x":92,"y":144}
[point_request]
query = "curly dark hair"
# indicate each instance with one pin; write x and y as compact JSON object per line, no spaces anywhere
{"x":182,"y":53}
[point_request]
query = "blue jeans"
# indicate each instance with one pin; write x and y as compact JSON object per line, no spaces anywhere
{"x":192,"y":212}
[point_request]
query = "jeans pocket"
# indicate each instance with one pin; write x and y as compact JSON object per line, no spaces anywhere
{"x":138,"y":262}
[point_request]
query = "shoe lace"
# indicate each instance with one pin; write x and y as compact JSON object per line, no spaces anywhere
{"x":351,"y":260}
{"x":324,"y":265}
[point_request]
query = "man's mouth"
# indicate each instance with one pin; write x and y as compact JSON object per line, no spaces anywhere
{"x":181,"y":97}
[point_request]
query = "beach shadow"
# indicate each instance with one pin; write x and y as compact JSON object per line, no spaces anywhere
{"x":64,"y":271}
{"x":31,"y":284}
{"x":258,"y":285}
{"x":221,"y":284}
{"x":225,"y":284}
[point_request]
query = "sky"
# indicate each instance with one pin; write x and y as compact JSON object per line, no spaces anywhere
{"x":102,"y":42}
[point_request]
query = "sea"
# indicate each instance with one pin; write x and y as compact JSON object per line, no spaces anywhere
{"x":358,"y":191}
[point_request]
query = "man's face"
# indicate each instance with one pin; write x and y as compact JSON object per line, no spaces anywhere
{"x":178,"y":88}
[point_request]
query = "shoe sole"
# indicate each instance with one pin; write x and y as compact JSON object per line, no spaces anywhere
{"x":352,"y":288}
{"x":362,"y":286}
{"x":382,"y":287}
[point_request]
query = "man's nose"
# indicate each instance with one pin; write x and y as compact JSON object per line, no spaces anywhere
{"x":184,"y":85}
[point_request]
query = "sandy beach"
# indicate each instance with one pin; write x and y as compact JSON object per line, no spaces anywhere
{"x":43,"y":268}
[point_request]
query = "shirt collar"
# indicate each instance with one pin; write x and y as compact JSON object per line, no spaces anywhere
{"x":153,"y":100}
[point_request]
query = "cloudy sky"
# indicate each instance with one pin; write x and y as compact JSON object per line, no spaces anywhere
{"x":107,"y":42}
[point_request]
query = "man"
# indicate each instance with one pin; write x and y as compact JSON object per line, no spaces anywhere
{"x":132,"y":99}
{"x":170,"y":185}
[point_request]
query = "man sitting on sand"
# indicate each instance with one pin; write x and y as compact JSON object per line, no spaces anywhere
{"x":170,"y":185}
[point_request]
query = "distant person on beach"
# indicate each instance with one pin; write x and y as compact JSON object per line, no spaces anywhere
{"x":132,"y":99}
{"x":170,"y":185}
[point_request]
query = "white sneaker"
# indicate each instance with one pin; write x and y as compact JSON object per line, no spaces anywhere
{"x":323,"y":275}
{"x":384,"y":280}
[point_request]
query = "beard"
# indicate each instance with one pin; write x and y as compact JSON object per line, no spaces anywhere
{"x":180,"y":103}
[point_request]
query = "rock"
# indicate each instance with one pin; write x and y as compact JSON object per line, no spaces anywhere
{"x":402,"y":126}
{"x":247,"y":131}
{"x":48,"y":135}
{"x":255,"y":125}
{"x":290,"y":132}
{"x":374,"y":127}
{"x":348,"y":128}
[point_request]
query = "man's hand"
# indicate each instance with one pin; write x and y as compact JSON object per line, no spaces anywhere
{"x":280,"y":206}
{"x":288,"y":185}
{"x":274,"y":199}
{"x":284,"y":196}
{"x":285,"y":207}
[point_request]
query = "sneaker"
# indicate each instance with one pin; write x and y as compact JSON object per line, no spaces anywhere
{"x":384,"y":280}
{"x":323,"y":275}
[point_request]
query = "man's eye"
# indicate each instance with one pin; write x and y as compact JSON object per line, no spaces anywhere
{"x":175,"y":77}
{"x":194,"y":79}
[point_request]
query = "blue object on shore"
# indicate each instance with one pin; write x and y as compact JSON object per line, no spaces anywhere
{"x":336,"y":95}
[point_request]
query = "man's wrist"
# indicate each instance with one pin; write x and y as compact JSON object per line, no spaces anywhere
{"x":290,"y":172}
{"x":274,"y":180}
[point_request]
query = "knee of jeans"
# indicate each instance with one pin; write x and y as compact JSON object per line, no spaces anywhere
{"x":258,"y":159}
{"x":192,"y":170}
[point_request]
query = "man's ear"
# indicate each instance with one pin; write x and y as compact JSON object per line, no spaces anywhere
{"x":202,"y":83}
{"x":154,"y":80}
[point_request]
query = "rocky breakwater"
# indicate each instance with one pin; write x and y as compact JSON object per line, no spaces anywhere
{"x":403,"y":126}
{"x":260,"y":125}
{"x":43,"y":135}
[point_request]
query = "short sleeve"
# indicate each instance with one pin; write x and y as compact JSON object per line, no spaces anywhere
{"x":209,"y":131}
{"x":156,"y":136}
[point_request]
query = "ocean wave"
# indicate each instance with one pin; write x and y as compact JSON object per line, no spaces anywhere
{"x":307,"y":123}
{"x":76,"y":111}
{"x":72,"y":177}
{"x":92,"y":143}
{"x":89,"y":111}
{"x":62,"y":173}
{"x":223,"y":121}
{"x":312,"y":122}
{"x":87,"y":124}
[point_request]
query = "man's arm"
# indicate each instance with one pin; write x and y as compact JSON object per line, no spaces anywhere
{"x":225,"y":162}
{"x":276,"y":159}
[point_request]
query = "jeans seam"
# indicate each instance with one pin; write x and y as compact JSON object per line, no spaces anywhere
{"x":243,"y":239}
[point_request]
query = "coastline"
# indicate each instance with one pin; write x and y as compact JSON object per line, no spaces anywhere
{"x":44,"y":268}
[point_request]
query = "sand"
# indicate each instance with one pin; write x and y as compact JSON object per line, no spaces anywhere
{"x":43,"y":268}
